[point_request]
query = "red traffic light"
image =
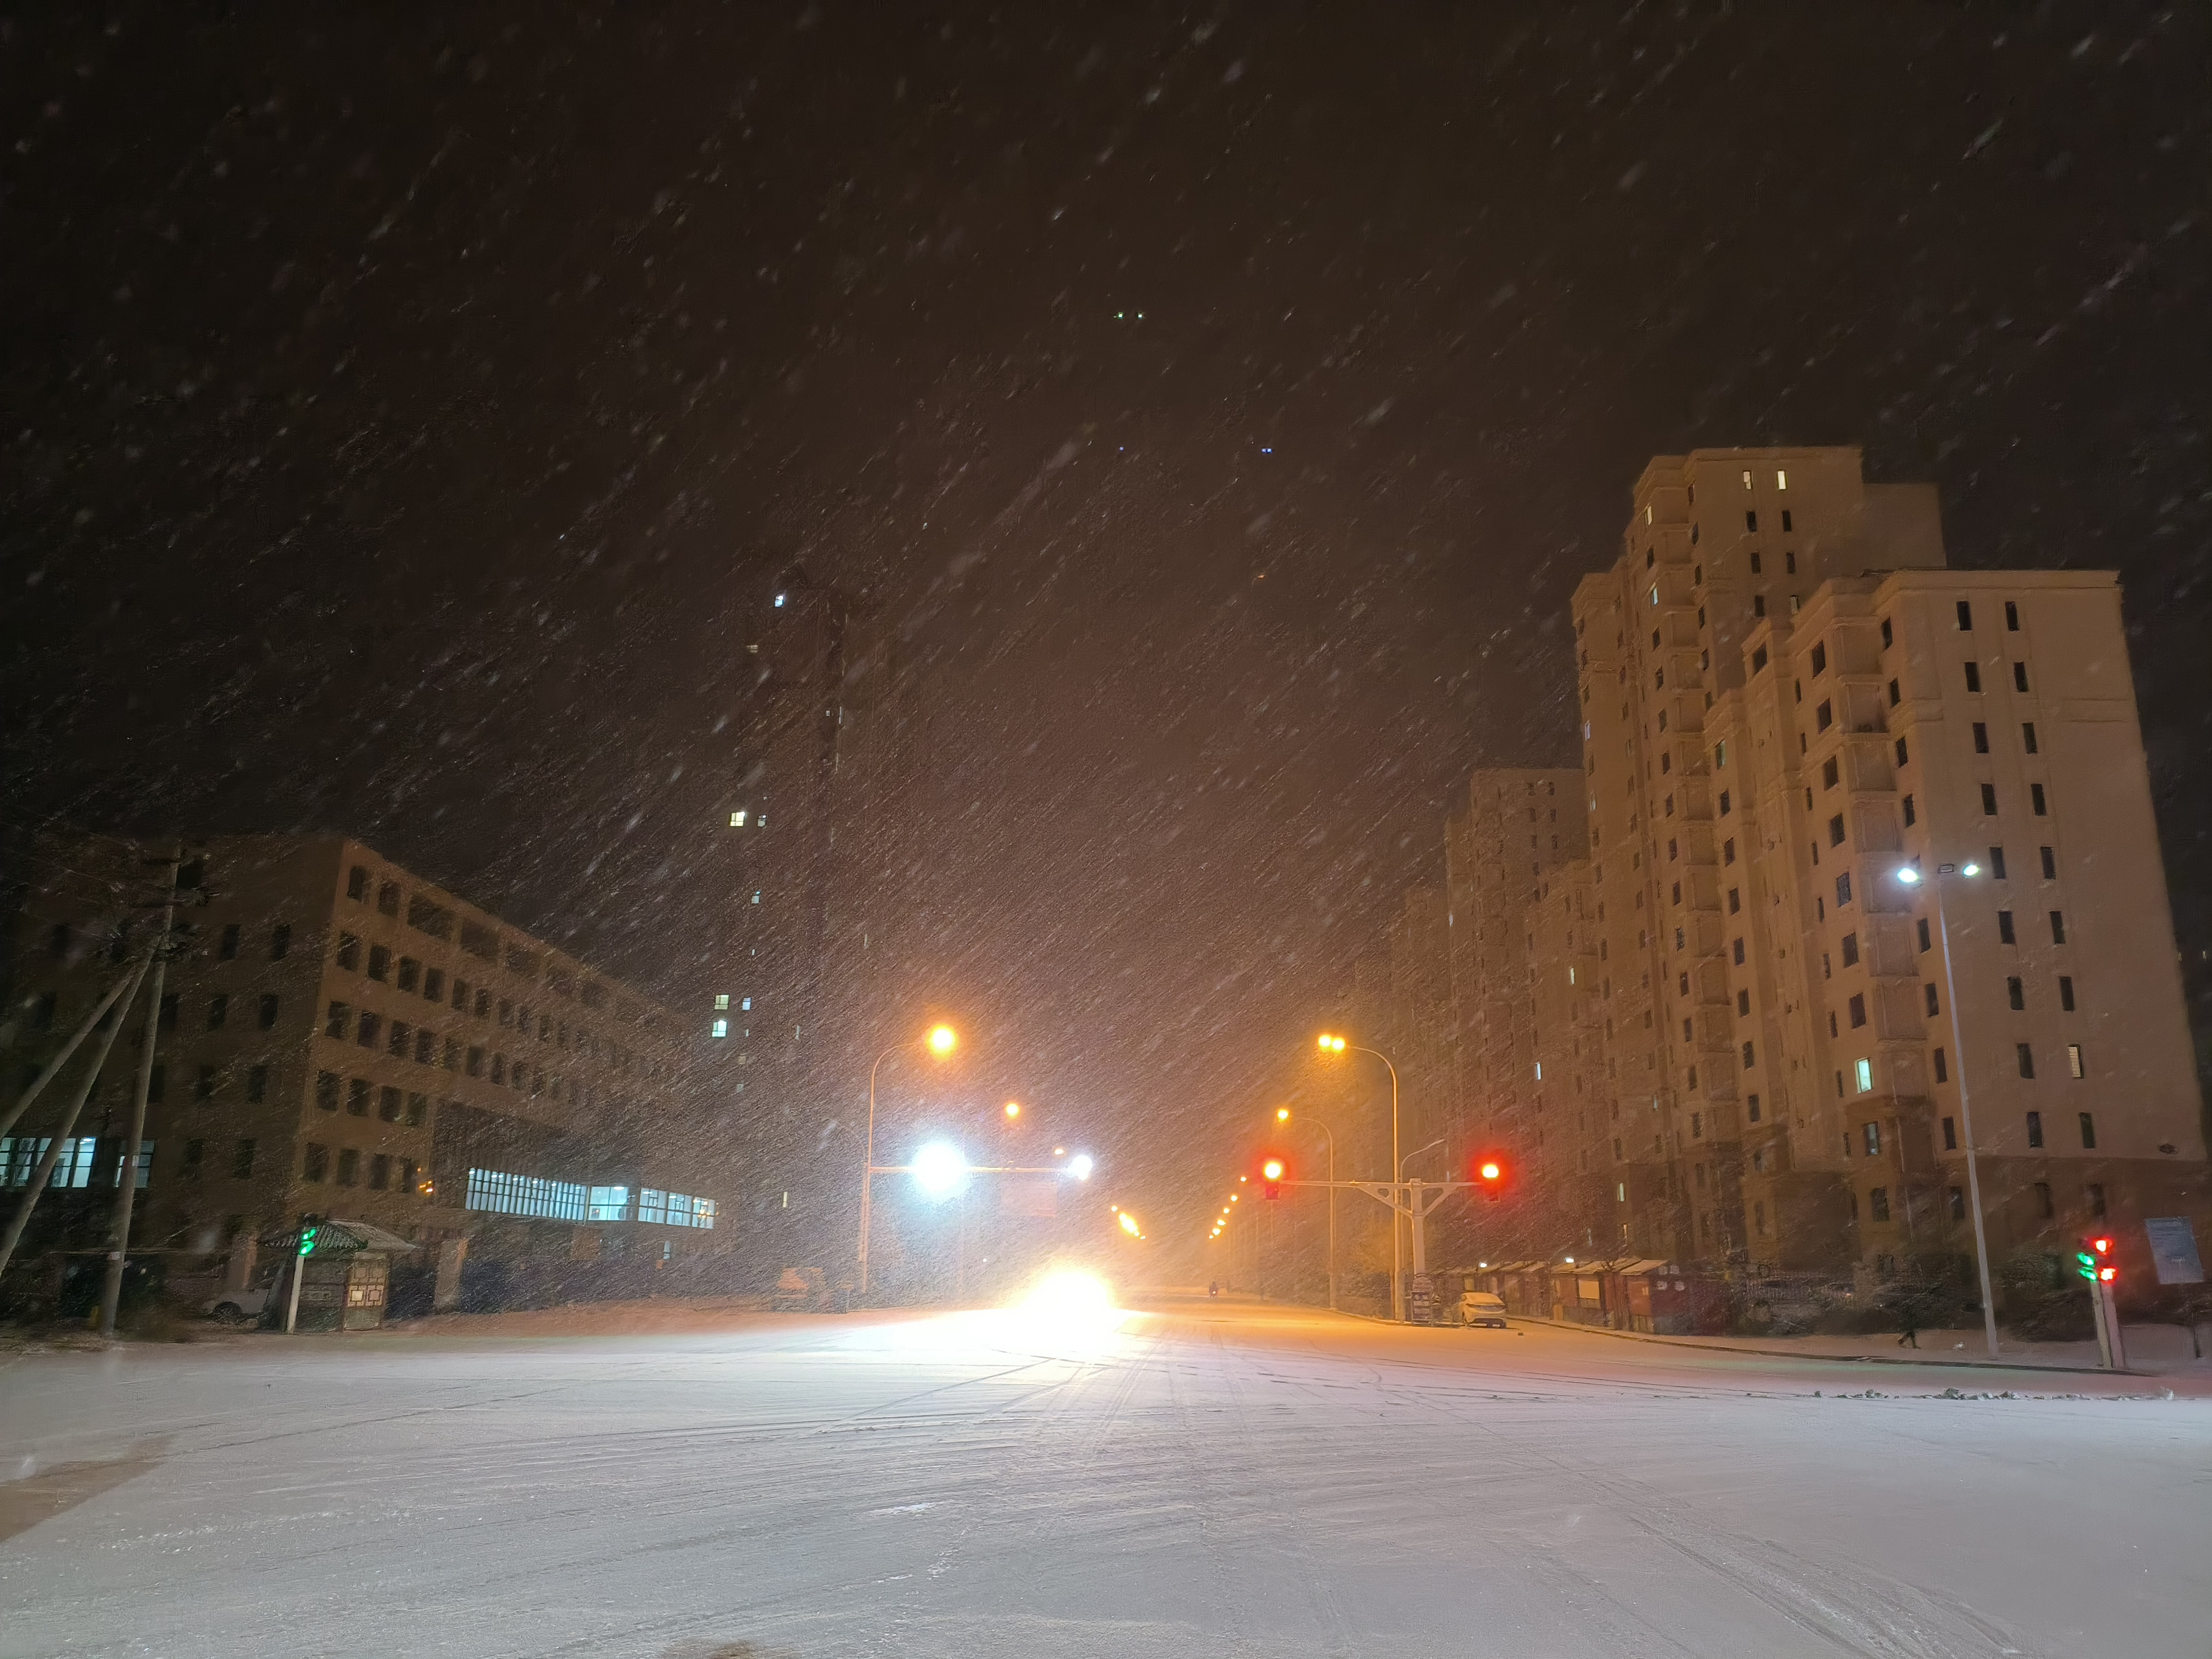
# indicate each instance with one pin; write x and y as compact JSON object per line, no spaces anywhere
{"x":2101,"y":1245}
{"x":1490,"y":1173}
{"x":1271,"y":1178}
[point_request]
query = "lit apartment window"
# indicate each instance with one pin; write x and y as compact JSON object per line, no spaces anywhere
{"x":1781,"y":479}
{"x":1863,"y":1075}
{"x":720,"y":1028}
{"x":723,"y":1001}
{"x":737,"y":820}
{"x":2074,"y":1060}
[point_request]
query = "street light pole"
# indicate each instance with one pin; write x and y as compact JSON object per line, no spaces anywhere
{"x":941,"y":1040}
{"x":1336,"y":1045}
{"x":1966,"y":1113}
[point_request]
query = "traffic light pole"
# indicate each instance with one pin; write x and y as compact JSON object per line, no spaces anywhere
{"x":1412,"y":1199}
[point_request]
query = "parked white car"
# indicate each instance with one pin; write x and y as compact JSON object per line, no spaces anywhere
{"x":237,"y":1307}
{"x":1482,"y":1308}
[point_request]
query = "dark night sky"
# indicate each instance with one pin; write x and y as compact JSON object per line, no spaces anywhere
{"x":403,"y":419}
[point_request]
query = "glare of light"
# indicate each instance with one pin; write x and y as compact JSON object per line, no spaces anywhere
{"x":1081,"y":1165}
{"x":1072,"y":1300}
{"x":1571,"y":1261}
{"x":1245,"y":1178}
{"x":1482,"y":1264}
{"x":1331,"y":1044}
{"x":1909,"y":876}
{"x":1128,"y":1224}
{"x":942,"y":1039}
{"x":1060,"y":1151}
{"x":941,"y":1169}
{"x":1282,"y":1114}
{"x":1232,"y":1198}
{"x":1273,"y":1168}
{"x":1970,"y":869}
{"x":1490,"y":1172}
{"x":779,"y":600}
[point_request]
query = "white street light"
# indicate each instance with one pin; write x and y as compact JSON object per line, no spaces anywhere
{"x":1081,"y":1165}
{"x":940,"y":1169}
{"x":1911,"y":876}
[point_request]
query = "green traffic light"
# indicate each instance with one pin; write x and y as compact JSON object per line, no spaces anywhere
{"x":2085,"y":1264}
{"x":308,"y":1239}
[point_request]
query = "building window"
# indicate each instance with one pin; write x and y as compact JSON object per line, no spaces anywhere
{"x":335,"y":1026}
{"x":203,"y":1083}
{"x":349,"y":952}
{"x":1862,"y":1074}
{"x":257,"y":1084}
{"x":1989,"y":800}
{"x":1842,"y":890}
{"x":327,"y":1091}
{"x":2028,"y":735}
{"x":2027,"y":1057}
{"x":401,"y":1033}
{"x":1724,"y":803}
{"x":1927,"y":995}
{"x":315,"y":1166}
{"x":2059,"y":927}
{"x":379,"y":963}
{"x":218,"y":1011}
{"x":280,"y":942}
{"x":357,"y":1093}
{"x":1836,"y":831}
{"x":357,"y":883}
{"x":1912,"y":814}
{"x":227,"y":949}
{"x":387,"y":898}
{"x":2074,"y":1060}
{"x":2020,"y":677}
{"x":1738,"y":952}
{"x":266,"y":1016}
{"x":1974,"y":677}
{"x":2004,"y":928}
{"x":2088,"y":1133}
{"x":1824,"y":716}
{"x":1958,"y":1198}
{"x":1829,"y":773}
{"x":1920,"y":929}
{"x":2036,"y":802}
{"x":369,"y":1029}
{"x":387,"y":1105}
{"x":1878,"y":1203}
{"x":1996,"y":863}
{"x":2015,"y":993}
{"x":379,"y":1172}
{"x":1965,"y":617}
{"x":2066,"y":992}
{"x":1751,"y":1108}
{"x":349,"y":1167}
{"x":1851,"y":950}
{"x":241,"y":1160}
{"x":2049,"y":865}
{"x":719,"y":1028}
{"x":1759,"y":1217}
{"x":1981,"y":738}
{"x":410,"y":974}
{"x":418,"y":1110}
{"x":1950,"y":1135}
{"x":2034,"y":1130}
{"x":1942,"y":1068}
{"x":433,"y":984}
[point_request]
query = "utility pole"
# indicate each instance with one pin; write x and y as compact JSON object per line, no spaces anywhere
{"x":128,"y":981}
{"x":60,"y":1135}
{"x":126,"y":1176}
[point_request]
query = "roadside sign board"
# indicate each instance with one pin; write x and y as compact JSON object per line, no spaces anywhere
{"x":2173,"y":1249}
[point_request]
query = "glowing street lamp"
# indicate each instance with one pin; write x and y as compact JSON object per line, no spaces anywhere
{"x":940,"y":1169}
{"x":1909,"y":875}
{"x":940,"y":1041}
{"x":1081,"y":1165}
{"x":1331,"y":1045}
{"x":1013,"y":1110}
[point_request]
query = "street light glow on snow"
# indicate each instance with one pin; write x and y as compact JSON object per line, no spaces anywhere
{"x":940,"y":1169}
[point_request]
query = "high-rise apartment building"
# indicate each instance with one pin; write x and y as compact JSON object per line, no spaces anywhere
{"x":338,"y":1036}
{"x":1869,"y":851}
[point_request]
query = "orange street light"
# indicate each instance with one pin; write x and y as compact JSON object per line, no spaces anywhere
{"x":1013,"y":1108}
{"x":943,"y":1040}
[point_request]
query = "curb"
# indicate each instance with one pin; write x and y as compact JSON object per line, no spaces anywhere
{"x":1832,"y":1358}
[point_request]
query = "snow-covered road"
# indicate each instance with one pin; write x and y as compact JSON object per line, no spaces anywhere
{"x":1202,"y":1481}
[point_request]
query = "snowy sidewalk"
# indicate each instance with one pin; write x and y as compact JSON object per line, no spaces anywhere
{"x":2152,"y":1349}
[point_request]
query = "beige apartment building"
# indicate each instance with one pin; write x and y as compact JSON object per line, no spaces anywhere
{"x":339,"y":1036}
{"x":1868,"y":846}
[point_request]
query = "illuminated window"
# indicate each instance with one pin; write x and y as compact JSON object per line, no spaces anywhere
{"x":720,"y":1028}
{"x":737,"y":820}
{"x":745,"y":1003}
{"x":722,"y":1000}
{"x":2074,"y":1059}
{"x":1864,"y":1069}
{"x":1781,"y":479}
